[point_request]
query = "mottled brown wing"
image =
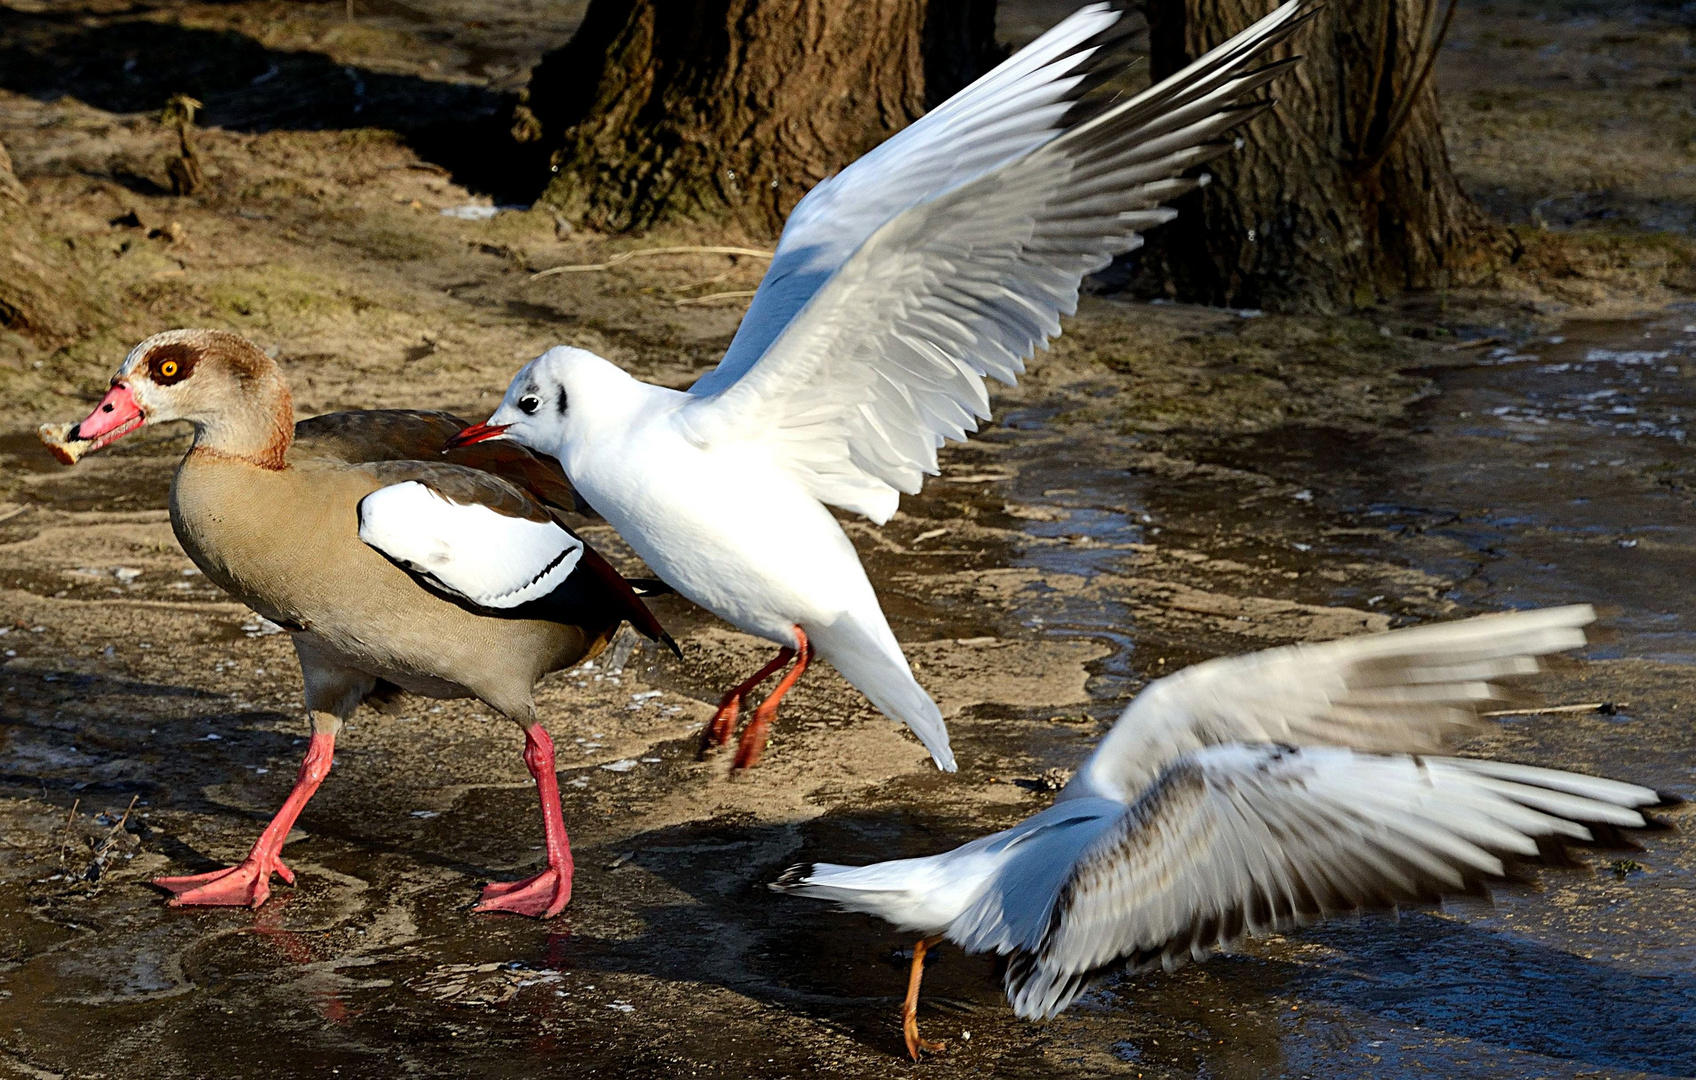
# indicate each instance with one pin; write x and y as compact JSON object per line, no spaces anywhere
{"x":464,"y":485}
{"x":540,"y":476}
{"x":376,"y":435}
{"x":372,"y":435}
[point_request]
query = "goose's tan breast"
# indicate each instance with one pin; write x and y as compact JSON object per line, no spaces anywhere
{"x":283,"y":541}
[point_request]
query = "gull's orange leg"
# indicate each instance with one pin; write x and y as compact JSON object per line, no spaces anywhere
{"x":910,"y":1007}
{"x":754,"y":735}
{"x":723,"y":724}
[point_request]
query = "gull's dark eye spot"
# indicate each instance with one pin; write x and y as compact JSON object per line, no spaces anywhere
{"x":562,"y":401}
{"x":528,"y":404}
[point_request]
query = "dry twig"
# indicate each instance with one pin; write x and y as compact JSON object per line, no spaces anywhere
{"x":1606,"y":707}
{"x":1475,"y":343}
{"x":626,"y":256}
{"x":739,"y":294}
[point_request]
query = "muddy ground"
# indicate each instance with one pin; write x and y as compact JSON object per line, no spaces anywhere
{"x":1168,"y":484}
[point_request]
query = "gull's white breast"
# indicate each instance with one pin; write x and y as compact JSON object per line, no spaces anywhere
{"x":726,"y":526}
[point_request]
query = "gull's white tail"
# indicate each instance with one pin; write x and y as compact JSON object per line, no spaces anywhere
{"x":848,"y":884}
{"x":913,"y":894}
{"x":870,"y":659}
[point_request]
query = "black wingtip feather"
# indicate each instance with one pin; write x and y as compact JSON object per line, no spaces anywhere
{"x":1112,"y":58}
{"x":792,"y":878}
{"x":650,"y":586}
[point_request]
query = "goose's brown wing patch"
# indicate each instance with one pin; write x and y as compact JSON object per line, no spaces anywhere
{"x":366,"y":435}
{"x":465,"y":485}
{"x":537,"y":474}
{"x":373,"y":435}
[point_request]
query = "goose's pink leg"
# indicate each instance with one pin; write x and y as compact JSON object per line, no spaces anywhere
{"x":546,"y":894}
{"x":723,"y":724}
{"x":249,"y":883}
{"x":754,"y":735}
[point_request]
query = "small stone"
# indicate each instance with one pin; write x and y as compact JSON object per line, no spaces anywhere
{"x":1054,"y":779}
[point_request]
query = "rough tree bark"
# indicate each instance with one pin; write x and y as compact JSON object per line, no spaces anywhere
{"x":42,"y":295}
{"x":1340,"y":196}
{"x":732,"y":109}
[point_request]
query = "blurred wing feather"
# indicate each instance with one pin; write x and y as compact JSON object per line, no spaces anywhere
{"x":1415,"y":690}
{"x":1234,"y":841}
{"x":1018,"y":106}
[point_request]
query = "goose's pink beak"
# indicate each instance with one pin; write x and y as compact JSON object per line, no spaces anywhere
{"x":116,"y":416}
{"x":477,"y":433}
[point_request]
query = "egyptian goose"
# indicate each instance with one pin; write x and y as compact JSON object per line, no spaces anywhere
{"x":945,"y":255}
{"x":1248,"y":795}
{"x":391,"y":566}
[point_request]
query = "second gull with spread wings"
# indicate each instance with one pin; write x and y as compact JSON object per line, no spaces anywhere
{"x":1247,"y":795}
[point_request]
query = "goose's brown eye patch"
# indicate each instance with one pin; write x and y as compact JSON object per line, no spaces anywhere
{"x":171,"y":364}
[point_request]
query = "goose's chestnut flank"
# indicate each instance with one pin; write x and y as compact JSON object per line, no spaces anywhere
{"x":395,"y":568}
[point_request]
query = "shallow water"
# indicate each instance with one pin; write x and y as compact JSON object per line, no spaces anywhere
{"x":1553,"y":472}
{"x":1546,"y":472}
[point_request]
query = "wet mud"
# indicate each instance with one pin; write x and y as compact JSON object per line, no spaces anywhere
{"x":1040,"y":580}
{"x":1169,"y":484}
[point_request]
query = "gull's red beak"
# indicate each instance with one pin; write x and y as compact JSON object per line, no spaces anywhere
{"x":477,"y":433}
{"x":116,"y":416}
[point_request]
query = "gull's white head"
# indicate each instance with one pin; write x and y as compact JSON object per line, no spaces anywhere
{"x":551,"y":401}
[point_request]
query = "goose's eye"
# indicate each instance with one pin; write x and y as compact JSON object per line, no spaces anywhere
{"x":170,"y":364}
{"x":528,"y":404}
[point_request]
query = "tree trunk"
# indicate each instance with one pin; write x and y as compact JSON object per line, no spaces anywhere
{"x":1341,"y":195}
{"x":42,"y":295}
{"x":668,"y":110}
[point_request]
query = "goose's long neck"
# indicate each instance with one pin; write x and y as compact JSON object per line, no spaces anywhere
{"x":257,"y":427}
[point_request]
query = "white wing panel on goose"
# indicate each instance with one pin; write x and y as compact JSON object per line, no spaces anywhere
{"x":888,"y":357}
{"x":1416,"y":690}
{"x":1239,"y":840}
{"x":491,"y":559}
{"x":1009,"y":111}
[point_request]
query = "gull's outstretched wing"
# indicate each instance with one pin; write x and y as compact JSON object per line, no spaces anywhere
{"x":886,"y":359}
{"x":1416,"y":690}
{"x":1017,"y":107}
{"x":1233,"y":841}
